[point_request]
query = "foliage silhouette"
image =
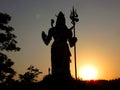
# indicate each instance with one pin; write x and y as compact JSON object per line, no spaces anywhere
{"x":7,"y":43}
{"x":30,"y":76}
{"x":7,"y":39}
{"x":6,"y":71}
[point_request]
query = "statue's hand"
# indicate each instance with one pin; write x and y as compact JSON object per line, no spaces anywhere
{"x":73,"y":41}
{"x":44,"y":36}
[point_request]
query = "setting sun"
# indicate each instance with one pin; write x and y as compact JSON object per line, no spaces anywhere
{"x":88,"y":73}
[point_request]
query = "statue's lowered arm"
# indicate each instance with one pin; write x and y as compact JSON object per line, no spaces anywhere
{"x":72,"y":40}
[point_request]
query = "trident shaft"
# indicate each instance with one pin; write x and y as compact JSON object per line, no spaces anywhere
{"x":74,"y":18}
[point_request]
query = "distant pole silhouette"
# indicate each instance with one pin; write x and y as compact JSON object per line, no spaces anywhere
{"x":74,"y":18}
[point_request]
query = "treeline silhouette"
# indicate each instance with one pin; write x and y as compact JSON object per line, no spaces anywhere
{"x":28,"y":80}
{"x":51,"y":83}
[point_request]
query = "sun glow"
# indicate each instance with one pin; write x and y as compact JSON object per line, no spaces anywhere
{"x":88,"y":73}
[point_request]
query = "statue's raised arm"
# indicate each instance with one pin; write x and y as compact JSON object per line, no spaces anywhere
{"x":47,"y":38}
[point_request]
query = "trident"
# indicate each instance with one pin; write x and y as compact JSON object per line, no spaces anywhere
{"x":74,"y":18}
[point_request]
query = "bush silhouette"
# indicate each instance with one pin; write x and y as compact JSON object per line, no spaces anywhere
{"x":7,"y":43}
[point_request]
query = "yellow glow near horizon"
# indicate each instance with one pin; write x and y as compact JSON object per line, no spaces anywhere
{"x":88,"y":73}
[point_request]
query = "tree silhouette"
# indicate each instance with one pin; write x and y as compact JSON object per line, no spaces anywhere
{"x":7,"y":39}
{"x":30,"y":76}
{"x":7,"y":43}
{"x":6,"y":71}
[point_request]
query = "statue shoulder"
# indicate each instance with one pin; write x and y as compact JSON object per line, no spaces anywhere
{"x":51,"y":30}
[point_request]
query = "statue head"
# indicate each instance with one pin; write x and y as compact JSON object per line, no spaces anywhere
{"x":60,"y":19}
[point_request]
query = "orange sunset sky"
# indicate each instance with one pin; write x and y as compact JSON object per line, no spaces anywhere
{"x":98,"y":33}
